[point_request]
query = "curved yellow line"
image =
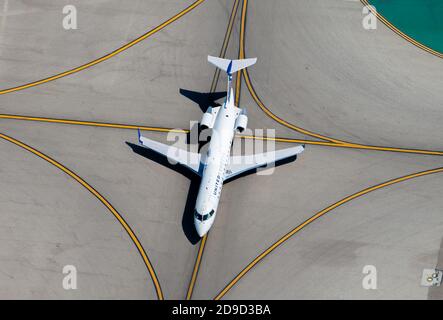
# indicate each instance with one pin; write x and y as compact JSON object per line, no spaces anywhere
{"x":349,"y":146}
{"x":401,"y":33}
{"x":339,"y":143}
{"x":241,"y":53}
{"x":90,"y":123}
{"x":280,"y":120}
{"x":257,"y":99}
{"x":225,"y":43}
{"x":201,"y":249}
{"x":103,"y":200}
{"x":315,"y":217}
{"x":105,"y":57}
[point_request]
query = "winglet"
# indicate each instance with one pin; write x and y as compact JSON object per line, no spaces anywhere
{"x":139,"y":136}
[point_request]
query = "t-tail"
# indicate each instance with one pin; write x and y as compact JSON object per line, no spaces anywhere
{"x":231,"y":66}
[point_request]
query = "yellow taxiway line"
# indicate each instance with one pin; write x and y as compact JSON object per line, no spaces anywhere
{"x":202,"y":246}
{"x":103,"y":200}
{"x":107,"y":56}
{"x":197,"y":264}
{"x":241,"y":53}
{"x":256,"y":97}
{"x":225,"y":44}
{"x":348,"y":146}
{"x":90,"y":123}
{"x":319,"y":214}
{"x":163,"y":129}
{"x":268,"y":112}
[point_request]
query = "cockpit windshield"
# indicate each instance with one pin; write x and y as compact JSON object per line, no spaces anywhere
{"x":198,"y":216}
{"x":203,"y":217}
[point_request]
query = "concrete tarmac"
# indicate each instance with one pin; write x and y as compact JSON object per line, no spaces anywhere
{"x":318,"y":68}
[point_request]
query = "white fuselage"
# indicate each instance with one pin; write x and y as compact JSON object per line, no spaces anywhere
{"x":217,"y":160}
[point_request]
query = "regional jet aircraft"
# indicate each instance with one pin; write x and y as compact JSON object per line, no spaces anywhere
{"x":217,"y":165}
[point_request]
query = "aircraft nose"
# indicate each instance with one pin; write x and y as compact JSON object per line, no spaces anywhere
{"x":201,"y":228}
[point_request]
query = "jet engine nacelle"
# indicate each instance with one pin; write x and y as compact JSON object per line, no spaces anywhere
{"x":241,"y":123}
{"x":207,"y":119}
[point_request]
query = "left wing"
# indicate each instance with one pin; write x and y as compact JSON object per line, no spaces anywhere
{"x":190,"y":160}
{"x":241,"y":164}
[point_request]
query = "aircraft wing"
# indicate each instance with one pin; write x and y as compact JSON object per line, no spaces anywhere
{"x":241,"y":164}
{"x":190,"y":160}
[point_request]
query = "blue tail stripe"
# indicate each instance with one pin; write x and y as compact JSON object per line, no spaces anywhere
{"x":229,"y":68}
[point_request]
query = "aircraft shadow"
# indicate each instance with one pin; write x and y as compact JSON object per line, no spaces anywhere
{"x":188,"y":212}
{"x":204,"y":100}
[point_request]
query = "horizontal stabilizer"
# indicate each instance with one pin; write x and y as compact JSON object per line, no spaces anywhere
{"x":231,"y":66}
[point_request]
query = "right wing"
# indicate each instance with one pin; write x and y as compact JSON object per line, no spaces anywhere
{"x":241,"y":164}
{"x":190,"y":160}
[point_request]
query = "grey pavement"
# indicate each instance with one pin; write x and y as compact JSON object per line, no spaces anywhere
{"x":317,"y":68}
